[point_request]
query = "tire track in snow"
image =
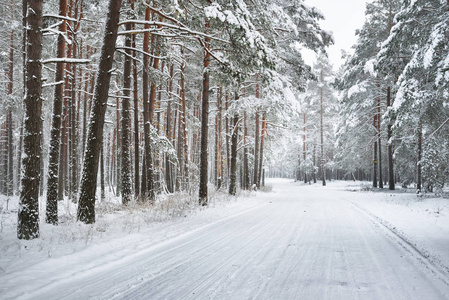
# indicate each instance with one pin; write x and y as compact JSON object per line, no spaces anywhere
{"x":196,"y":254}
{"x":432,"y":263}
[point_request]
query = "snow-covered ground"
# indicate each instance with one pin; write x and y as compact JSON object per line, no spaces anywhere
{"x":297,"y":242}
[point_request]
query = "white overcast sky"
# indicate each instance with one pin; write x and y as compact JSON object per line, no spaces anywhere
{"x":342,"y":18}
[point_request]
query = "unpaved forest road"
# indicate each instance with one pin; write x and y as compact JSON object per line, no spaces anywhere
{"x":305,"y":243}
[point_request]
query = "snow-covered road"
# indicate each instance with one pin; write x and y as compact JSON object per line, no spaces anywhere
{"x":300,"y":243}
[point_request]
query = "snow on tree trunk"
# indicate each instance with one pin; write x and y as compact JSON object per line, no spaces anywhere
{"x":28,"y":214}
{"x":257,"y":136}
{"x":125,"y":120}
{"x":9,"y":121}
{"x":390,"y":147}
{"x":136,"y":119}
{"x":322,"y":170}
{"x":262,"y":142}
{"x":86,"y":204}
{"x":204,"y":125}
{"x":246,"y":177}
{"x":148,"y":190}
{"x":234,"y":142}
{"x":168,"y":132}
{"x":55,"y":138}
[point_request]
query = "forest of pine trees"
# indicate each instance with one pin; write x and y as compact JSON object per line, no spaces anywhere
{"x":135,"y":98}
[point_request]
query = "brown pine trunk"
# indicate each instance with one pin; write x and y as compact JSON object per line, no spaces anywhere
{"x":234,"y":142}
{"x":73,"y":130}
{"x":219,"y":141}
{"x":322,"y":170}
{"x":9,"y":121}
{"x":148,"y":192}
{"x":183,"y":151}
{"x":381,"y":182}
{"x":102,"y":185}
{"x":28,"y":213}
{"x":246,"y":177}
{"x":117,"y":168}
{"x":228,"y":149}
{"x":390,"y":147}
{"x":204,"y":125}
{"x":136,"y":120}
{"x":86,"y":204}
{"x":55,"y":138}
{"x":62,"y":152}
{"x":125,"y":120}
{"x":419,"y":164}
{"x":257,"y":136}
{"x":168,"y":133}
{"x":304,"y":148}
{"x":262,"y":142}
{"x":24,"y":55}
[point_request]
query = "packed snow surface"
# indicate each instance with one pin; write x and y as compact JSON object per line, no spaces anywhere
{"x":297,"y":242}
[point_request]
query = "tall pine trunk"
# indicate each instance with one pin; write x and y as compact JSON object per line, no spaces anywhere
{"x":55,"y":138}
{"x":204,"y":125}
{"x":9,"y":121}
{"x":219,"y":140}
{"x":136,"y":118}
{"x":390,"y":147}
{"x":375,"y":152}
{"x":125,"y":120}
{"x":304,"y":148}
{"x":234,"y":142}
{"x":419,"y":164}
{"x":246,"y":177}
{"x":322,"y":170}
{"x":86,"y":204}
{"x":168,"y":132}
{"x":28,"y":213}
{"x":262,"y":143}
{"x":148,"y":190}
{"x":381,"y":183}
{"x":257,"y":136}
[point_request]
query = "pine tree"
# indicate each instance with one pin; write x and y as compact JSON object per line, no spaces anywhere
{"x":28,"y":214}
{"x":53,"y":168}
{"x":86,"y":204}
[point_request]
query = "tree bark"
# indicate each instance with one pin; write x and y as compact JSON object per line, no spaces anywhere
{"x":28,"y":213}
{"x":148,"y":192}
{"x":304,"y":147}
{"x":234,"y":142}
{"x":183,"y":149}
{"x":86,"y":205}
{"x":246,"y":177}
{"x":219,"y":158}
{"x":125,"y":120}
{"x":73,"y":128}
{"x":391,"y":182}
{"x":381,"y":183}
{"x":102,"y":185}
{"x":168,"y":132}
{"x":262,"y":142}
{"x":55,"y":138}
{"x":204,"y":125}
{"x":419,"y":164}
{"x":257,"y":136}
{"x":9,"y":121}
{"x":322,"y":171}
{"x":136,"y":119}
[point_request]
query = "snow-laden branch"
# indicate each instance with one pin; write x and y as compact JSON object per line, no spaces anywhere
{"x":438,"y":129}
{"x":53,"y":83}
{"x":60,"y":17}
{"x":67,"y":60}
{"x":167,"y":25}
{"x":50,"y":31}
